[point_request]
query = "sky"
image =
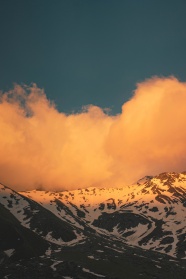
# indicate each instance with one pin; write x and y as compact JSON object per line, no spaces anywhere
{"x":85,"y":52}
{"x":92,"y":93}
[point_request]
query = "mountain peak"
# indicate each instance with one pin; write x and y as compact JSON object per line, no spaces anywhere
{"x":149,"y":214}
{"x":171,"y":178}
{"x":144,"y":179}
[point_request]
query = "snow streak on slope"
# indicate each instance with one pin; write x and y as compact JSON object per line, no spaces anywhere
{"x":38,"y":219}
{"x":16,"y":204}
{"x":150,"y":214}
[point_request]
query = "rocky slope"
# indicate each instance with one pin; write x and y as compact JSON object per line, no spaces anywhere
{"x":97,"y":232}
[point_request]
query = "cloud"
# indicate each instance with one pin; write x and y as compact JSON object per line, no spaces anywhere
{"x":42,"y":147}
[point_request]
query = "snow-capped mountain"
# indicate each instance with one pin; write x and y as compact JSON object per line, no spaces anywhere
{"x":150,"y":214}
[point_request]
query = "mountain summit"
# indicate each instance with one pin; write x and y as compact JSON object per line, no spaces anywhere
{"x":125,"y":223}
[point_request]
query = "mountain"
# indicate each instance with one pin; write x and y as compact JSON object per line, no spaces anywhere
{"x":96,"y":232}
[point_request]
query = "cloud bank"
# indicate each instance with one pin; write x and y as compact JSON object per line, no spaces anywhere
{"x":42,"y":147}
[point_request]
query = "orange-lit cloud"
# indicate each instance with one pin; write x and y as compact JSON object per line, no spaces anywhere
{"x":40,"y":146}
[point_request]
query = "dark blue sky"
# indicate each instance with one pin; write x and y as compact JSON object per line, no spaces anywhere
{"x":90,"y":51}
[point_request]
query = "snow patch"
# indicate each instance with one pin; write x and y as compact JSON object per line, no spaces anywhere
{"x":88,"y":271}
{"x":9,"y":252}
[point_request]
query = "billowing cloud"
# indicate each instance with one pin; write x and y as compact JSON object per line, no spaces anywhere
{"x":42,"y":147}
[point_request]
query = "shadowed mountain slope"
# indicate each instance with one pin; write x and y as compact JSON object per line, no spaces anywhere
{"x":96,"y":232}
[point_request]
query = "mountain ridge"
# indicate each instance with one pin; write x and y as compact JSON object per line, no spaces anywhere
{"x":146,"y":217}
